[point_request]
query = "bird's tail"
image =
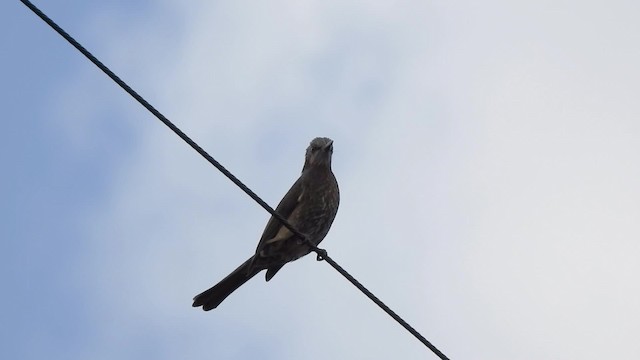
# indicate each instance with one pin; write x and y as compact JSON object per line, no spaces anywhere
{"x":210,"y":299}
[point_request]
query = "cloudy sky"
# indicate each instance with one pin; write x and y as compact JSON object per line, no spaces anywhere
{"x":487,"y":155}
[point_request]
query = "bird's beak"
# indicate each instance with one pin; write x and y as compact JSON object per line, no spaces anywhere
{"x":329,"y":145}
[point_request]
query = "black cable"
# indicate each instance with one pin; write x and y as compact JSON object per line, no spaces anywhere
{"x":322,"y":254}
{"x":159,"y":115}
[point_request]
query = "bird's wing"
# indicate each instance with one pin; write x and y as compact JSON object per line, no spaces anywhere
{"x":274,"y":230}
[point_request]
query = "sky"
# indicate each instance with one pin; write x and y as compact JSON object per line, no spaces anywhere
{"x":487,"y":156}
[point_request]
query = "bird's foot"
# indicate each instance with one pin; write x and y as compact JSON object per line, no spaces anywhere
{"x":321,"y":254}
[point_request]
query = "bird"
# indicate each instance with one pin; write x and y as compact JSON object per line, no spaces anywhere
{"x":310,"y":206}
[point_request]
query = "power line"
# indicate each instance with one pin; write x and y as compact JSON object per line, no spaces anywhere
{"x":321,"y":253}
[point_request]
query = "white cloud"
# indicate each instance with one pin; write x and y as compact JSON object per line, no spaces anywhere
{"x":486,"y":156}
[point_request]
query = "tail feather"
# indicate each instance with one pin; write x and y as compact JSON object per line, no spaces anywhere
{"x":211,"y":298}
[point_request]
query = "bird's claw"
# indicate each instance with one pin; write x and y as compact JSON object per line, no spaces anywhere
{"x":322,"y":253}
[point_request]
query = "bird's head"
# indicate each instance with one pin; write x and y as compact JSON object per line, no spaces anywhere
{"x":319,"y":153}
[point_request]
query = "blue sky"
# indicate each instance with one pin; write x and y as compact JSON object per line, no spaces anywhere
{"x":486,"y":153}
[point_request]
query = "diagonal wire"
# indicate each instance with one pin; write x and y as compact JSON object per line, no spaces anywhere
{"x":322,"y":254}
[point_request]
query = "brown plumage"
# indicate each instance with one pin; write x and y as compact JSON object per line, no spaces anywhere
{"x":310,"y":206}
